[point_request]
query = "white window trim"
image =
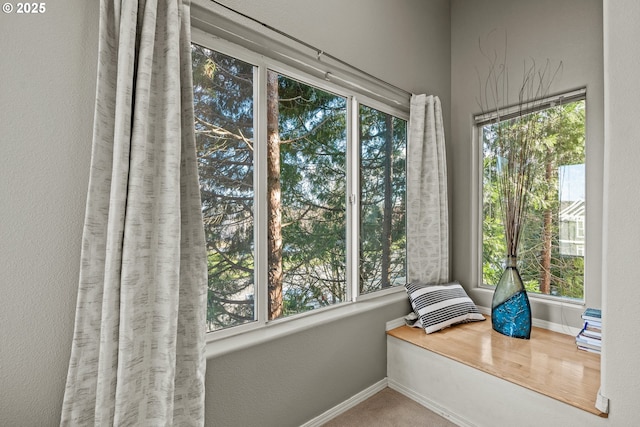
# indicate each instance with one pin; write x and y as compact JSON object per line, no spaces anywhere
{"x":580,"y":228}
{"x":549,"y":312}
{"x":357,"y":91}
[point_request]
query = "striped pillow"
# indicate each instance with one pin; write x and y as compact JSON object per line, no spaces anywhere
{"x":439,"y":306}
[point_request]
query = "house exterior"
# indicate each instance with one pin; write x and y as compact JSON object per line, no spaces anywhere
{"x":572,"y":228}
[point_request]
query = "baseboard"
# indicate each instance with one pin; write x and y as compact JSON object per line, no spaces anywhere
{"x":395,"y":323}
{"x":347,"y":404}
{"x":430,"y":404}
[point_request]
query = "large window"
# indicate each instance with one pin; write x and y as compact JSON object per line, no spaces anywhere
{"x":303,"y":200}
{"x":552,"y":246}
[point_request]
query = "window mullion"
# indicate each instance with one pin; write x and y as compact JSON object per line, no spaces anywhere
{"x":353,"y":201}
{"x":260,"y":191}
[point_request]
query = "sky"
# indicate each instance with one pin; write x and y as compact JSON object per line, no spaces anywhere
{"x":572,"y":182}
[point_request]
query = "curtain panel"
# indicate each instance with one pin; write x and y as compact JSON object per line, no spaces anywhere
{"x":137,"y":355}
{"x":427,"y":209}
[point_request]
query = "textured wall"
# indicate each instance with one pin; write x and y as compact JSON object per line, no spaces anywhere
{"x":621,"y":371}
{"x":47,"y":86}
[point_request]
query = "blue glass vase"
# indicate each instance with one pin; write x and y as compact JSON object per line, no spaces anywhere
{"x":510,"y":308}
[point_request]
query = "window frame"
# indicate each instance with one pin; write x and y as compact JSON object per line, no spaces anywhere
{"x":261,"y":326}
{"x":580,"y":229}
{"x":551,"y":312}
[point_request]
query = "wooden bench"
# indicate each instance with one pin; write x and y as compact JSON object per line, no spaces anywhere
{"x":471,"y":366}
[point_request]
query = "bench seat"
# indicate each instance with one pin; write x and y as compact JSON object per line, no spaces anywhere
{"x":469,"y":368}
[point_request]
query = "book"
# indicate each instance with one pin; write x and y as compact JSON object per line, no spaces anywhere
{"x":590,"y":337}
{"x":590,"y":350}
{"x":592,"y":333}
{"x":592,"y":315}
{"x":589,"y":347}
{"x":581,"y":339}
{"x":593,"y":325}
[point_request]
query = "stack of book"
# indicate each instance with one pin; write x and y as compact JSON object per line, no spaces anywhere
{"x":590,"y":337}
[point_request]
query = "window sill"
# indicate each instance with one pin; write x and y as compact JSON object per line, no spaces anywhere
{"x":218,"y":346}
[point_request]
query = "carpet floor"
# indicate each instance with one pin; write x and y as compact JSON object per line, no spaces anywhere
{"x":389,"y":408}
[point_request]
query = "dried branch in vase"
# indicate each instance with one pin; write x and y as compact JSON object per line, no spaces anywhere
{"x":516,"y":132}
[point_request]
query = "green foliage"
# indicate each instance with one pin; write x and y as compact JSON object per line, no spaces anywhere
{"x":313,"y":149}
{"x":313,"y":183}
{"x":561,"y":143}
{"x":223,"y":104}
{"x":382,"y":163}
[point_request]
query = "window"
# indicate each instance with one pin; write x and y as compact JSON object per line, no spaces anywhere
{"x":306,"y":188}
{"x":303,"y":190}
{"x":224,"y":123}
{"x":383,"y":143}
{"x":552,"y":246}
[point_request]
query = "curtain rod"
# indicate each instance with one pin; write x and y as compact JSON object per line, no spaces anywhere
{"x":320,"y":52}
{"x":531,"y":106}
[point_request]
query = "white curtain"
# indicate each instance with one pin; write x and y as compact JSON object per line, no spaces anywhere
{"x":137,"y":356}
{"x":427,"y":211}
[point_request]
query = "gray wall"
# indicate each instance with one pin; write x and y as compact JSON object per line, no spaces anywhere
{"x":567,"y":31}
{"x":289,"y":381}
{"x":621,"y":371}
{"x":47,"y":91}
